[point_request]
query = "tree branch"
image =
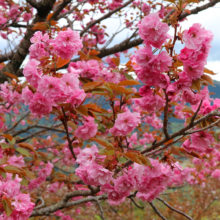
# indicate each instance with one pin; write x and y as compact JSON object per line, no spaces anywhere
{"x":157,"y":211}
{"x":104,"y":17}
{"x":199,"y":9}
{"x":5,"y":57}
{"x":173,"y":209}
{"x":101,"y":209}
{"x":165,"y":119}
{"x":65,"y":204}
{"x":23,"y":48}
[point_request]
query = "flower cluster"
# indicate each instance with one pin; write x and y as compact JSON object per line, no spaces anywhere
{"x":10,"y":189}
{"x":51,"y":90}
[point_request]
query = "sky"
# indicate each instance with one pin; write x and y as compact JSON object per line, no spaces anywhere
{"x":210,"y":20}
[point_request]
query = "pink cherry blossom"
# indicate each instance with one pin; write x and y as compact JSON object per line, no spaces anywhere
{"x":145,"y":8}
{"x":153,"y":31}
{"x":202,"y":139}
{"x":52,"y":88}
{"x":40,"y":105}
{"x":216,"y":174}
{"x":27,"y":95}
{"x":196,"y":36}
{"x":114,"y":197}
{"x":94,"y":174}
{"x":67,"y":44}
{"x":125,"y":123}
{"x":32,"y":73}
{"x":23,"y":203}
{"x":77,"y":98}
{"x":16,"y":161}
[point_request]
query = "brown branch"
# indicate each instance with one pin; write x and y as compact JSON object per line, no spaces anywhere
{"x":157,"y":211}
{"x":202,"y":129}
{"x":34,"y":3}
{"x":64,"y":121}
{"x":174,"y":135}
{"x":47,"y":128}
{"x":182,"y":131}
{"x":71,"y":10}
{"x":163,"y":147}
{"x":16,"y":124}
{"x":199,"y":9}
{"x":140,"y":207}
{"x":59,"y":8}
{"x":173,"y":209}
{"x":23,"y":48}
{"x":91,"y":24}
{"x":5,"y":57}
{"x":165,"y":119}
{"x":101,"y":209}
{"x":65,"y":204}
{"x":40,"y":199}
{"x":195,"y":114}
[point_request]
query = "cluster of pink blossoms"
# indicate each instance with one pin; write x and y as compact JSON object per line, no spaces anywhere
{"x":50,"y":91}
{"x":149,"y":181}
{"x":65,"y":45}
{"x":96,"y":71}
{"x":42,"y":175}
{"x":193,"y":55}
{"x":87,"y":130}
{"x":21,"y":203}
{"x":9,"y":94}
{"x":89,"y":171}
{"x":200,"y":141}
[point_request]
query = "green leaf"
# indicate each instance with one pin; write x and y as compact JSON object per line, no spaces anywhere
{"x":12,"y":142}
{"x":129,"y":77}
{"x":3,"y":175}
{"x":29,"y":174}
{"x":101,"y":128}
{"x":7,"y":207}
{"x":106,"y":144}
{"x":24,"y":182}
{"x":11,"y":169}
{"x":5,"y":146}
{"x":23,"y":151}
{"x":122,"y":159}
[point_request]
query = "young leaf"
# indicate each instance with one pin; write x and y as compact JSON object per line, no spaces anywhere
{"x":12,"y":76}
{"x":91,"y":85}
{"x":7,"y":207}
{"x":40,"y":26}
{"x":207,"y":79}
{"x":5,"y":146}
{"x":206,"y":70}
{"x":82,"y":110}
{"x":129,"y":83}
{"x":23,"y":151}
{"x":8,"y":137}
{"x":61,"y":62}
{"x":106,"y":144}
{"x":72,"y":125}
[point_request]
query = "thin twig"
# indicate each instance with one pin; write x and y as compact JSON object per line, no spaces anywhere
{"x":175,"y":210}
{"x":140,"y":207}
{"x":202,"y":129}
{"x":39,"y":199}
{"x":157,"y":211}
{"x":64,"y":121}
{"x":101,"y":209}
